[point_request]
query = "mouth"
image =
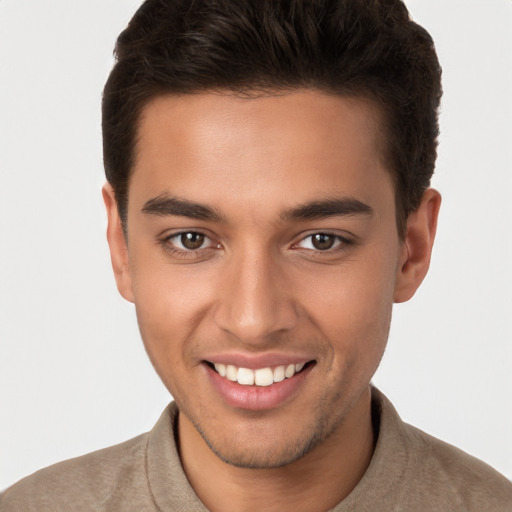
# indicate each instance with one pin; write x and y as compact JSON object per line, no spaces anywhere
{"x":259,"y":377}
{"x":258,"y":382}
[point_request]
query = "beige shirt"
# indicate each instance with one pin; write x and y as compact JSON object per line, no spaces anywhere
{"x":409,"y":472}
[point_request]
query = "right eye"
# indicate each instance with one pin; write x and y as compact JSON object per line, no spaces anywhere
{"x":188,"y":241}
{"x":189,"y":245}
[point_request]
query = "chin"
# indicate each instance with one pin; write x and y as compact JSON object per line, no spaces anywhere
{"x":259,"y":450}
{"x":261,"y":458}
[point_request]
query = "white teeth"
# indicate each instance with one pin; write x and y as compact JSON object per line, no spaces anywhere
{"x":290,"y":371}
{"x":264,"y":377}
{"x":245,"y":376}
{"x":221,"y":369}
{"x":279,"y":374}
{"x":231,"y":372}
{"x":259,"y":377}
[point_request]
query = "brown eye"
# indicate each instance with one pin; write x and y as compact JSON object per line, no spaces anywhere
{"x":192,"y":241}
{"x":322,"y":241}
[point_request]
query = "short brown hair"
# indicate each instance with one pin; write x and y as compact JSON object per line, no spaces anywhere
{"x":366,"y":48}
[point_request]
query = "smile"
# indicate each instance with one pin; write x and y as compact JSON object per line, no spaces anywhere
{"x":260,"y":383}
{"x":257,"y":377}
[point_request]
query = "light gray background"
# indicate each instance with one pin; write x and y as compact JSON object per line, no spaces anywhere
{"x":73,"y":373}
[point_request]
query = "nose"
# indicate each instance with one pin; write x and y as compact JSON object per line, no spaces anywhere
{"x":254,"y":302}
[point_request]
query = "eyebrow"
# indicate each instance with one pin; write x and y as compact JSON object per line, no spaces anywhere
{"x":314,"y":210}
{"x":164,"y":205}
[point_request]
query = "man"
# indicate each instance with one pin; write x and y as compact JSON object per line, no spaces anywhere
{"x":268,"y":168}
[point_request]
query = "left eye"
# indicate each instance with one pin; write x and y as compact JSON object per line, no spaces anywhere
{"x":189,"y":241}
{"x":320,"y":242}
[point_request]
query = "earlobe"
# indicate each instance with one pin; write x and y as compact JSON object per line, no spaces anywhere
{"x":417,"y":247}
{"x":117,"y":244}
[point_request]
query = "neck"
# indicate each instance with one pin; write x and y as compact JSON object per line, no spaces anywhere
{"x":317,"y":481}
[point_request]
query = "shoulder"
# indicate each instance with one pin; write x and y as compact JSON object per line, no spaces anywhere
{"x":143,"y":473}
{"x":411,"y":470}
{"x":448,"y":473}
{"x":80,"y":482}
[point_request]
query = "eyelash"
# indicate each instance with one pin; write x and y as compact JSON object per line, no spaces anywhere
{"x":340,"y":241}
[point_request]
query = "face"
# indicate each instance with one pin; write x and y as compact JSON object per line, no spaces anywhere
{"x":263,"y":260}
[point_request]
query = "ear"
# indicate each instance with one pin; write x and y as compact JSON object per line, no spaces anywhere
{"x":117,"y":245}
{"x":417,"y":247}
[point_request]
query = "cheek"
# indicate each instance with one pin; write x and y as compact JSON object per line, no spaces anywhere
{"x":170,"y":303}
{"x":166,"y":295}
{"x":353,"y":311}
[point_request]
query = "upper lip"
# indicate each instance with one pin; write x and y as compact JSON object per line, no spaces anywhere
{"x":255,"y":361}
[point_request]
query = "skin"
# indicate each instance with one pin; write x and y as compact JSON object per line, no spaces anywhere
{"x":258,"y":287}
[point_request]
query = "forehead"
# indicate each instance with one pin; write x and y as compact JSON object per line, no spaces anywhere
{"x":303,"y":144}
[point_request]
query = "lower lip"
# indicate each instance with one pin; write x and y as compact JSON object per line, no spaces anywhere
{"x":257,"y":398}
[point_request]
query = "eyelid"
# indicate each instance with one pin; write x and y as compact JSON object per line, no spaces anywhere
{"x":343,"y":240}
{"x":174,"y":233}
